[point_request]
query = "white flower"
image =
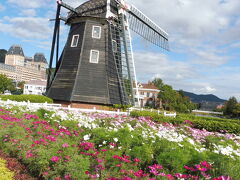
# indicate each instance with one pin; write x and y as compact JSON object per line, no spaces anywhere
{"x":115,"y":139}
{"x":104,"y":142}
{"x":86,"y":137}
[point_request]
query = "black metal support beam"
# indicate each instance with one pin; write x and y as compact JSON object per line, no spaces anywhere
{"x":55,"y":32}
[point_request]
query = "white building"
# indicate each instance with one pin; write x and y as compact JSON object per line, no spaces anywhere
{"x":37,"y":87}
{"x":148,"y":95}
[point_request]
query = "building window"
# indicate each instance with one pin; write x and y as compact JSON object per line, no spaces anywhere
{"x":94,"y":56}
{"x":114,"y":44}
{"x":142,"y":93}
{"x":148,"y":94}
{"x":75,"y":40}
{"x":96,"y":32}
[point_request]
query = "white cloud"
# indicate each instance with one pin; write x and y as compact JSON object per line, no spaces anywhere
{"x":27,"y":3}
{"x":149,"y":64}
{"x":28,"y":12}
{"x":204,"y":90}
{"x":2,"y":8}
{"x":197,"y":24}
{"x":26,"y":27}
{"x":209,"y":58}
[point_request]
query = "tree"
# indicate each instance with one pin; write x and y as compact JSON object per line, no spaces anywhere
{"x":158,"y":83}
{"x":3,"y":53}
{"x":6,"y":84}
{"x":229,"y":106}
{"x":171,"y":99}
{"x":236,"y":110}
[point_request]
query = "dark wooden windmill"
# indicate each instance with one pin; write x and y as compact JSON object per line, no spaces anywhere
{"x":97,"y":65}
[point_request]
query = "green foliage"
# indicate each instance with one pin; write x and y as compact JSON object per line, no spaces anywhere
{"x":158,"y":83}
{"x":208,"y":123}
{"x":236,"y":110}
{"x":229,"y":106}
{"x":5,"y":84}
{"x":121,"y":106}
{"x":32,"y":98}
{"x":3,"y":53}
{"x":173,"y":100}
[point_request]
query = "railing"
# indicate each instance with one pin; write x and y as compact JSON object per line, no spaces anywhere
{"x":207,"y":112}
{"x":59,"y":107}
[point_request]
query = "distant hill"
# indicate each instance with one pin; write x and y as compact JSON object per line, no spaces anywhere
{"x":3,"y":53}
{"x":206,"y":102}
{"x":203,"y":97}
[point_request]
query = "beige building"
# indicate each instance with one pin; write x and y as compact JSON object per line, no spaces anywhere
{"x":21,"y":68}
{"x":148,"y":95}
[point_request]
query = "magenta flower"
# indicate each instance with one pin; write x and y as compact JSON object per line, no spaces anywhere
{"x":55,"y":159}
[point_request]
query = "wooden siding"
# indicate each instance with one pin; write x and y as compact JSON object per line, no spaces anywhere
{"x":63,"y":83}
{"x":78,"y":80}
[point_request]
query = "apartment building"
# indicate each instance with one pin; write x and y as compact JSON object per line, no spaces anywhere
{"x":21,"y":68}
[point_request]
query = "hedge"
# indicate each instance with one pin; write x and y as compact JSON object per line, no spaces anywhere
{"x":24,"y":97}
{"x":210,"y":124}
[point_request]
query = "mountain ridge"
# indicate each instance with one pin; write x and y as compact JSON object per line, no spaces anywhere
{"x":199,"y":98}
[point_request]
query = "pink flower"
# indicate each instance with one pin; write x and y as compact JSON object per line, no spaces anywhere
{"x":29,"y":154}
{"x":45,"y":173}
{"x":99,"y":160}
{"x":67,"y":177}
{"x":139,"y":173}
{"x":58,"y":178}
{"x":200,"y":168}
{"x":169,"y":176}
{"x":55,"y":159}
{"x":206,"y":165}
{"x":136,"y":160}
{"x":65,"y":145}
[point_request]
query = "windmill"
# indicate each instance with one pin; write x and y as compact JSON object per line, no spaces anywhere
{"x":97,"y":65}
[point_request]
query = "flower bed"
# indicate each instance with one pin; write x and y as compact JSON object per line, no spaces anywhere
{"x":67,"y":145}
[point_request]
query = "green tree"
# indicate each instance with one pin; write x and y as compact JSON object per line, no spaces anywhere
{"x":171,"y":99}
{"x":236,"y":110}
{"x":229,"y":106}
{"x":3,"y":53}
{"x":158,"y":83}
{"x":6,"y":84}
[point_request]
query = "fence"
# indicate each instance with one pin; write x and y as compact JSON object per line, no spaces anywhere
{"x":59,"y":106}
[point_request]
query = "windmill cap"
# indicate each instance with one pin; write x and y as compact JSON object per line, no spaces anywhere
{"x":15,"y":50}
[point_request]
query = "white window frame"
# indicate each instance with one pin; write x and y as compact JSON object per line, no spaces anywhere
{"x":91,"y":52}
{"x":100,"y":32}
{"x":73,"y":37}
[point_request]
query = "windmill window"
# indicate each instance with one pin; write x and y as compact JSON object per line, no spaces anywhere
{"x":94,"y":56}
{"x":114,"y":44}
{"x":96,"y":32}
{"x":75,"y":40}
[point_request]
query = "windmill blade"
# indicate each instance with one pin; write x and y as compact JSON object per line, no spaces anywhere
{"x":146,"y":28}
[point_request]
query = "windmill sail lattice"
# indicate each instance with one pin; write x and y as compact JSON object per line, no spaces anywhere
{"x":97,"y":65}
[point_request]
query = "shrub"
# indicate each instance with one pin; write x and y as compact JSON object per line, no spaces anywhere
{"x":209,"y":123}
{"x":5,"y":173}
{"x":32,"y":98}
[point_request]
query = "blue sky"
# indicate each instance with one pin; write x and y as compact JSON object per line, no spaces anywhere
{"x":204,"y":40}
